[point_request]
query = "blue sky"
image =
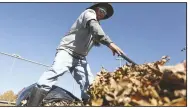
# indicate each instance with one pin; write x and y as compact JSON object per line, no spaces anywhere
{"x":144,"y":31}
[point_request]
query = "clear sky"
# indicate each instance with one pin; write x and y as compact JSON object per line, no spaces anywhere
{"x":144,"y":31}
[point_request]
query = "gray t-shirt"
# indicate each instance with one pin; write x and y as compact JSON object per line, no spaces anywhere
{"x":79,"y":40}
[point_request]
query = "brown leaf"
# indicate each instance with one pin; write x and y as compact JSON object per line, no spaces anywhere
{"x":180,"y":93}
{"x":135,"y":89}
{"x":178,"y":100}
{"x":166,"y":99}
{"x":180,"y":103}
{"x":154,"y":102}
{"x":154,"y":93}
{"x":120,"y":92}
{"x":109,"y":97}
{"x":127,"y":99}
{"x":160,"y":103}
{"x":136,"y":82}
{"x":113,"y":83}
{"x":97,"y":102}
{"x":141,"y":103}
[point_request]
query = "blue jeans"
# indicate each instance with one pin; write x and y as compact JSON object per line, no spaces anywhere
{"x":64,"y":62}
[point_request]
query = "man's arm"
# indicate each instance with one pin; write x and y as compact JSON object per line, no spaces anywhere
{"x":98,"y":32}
{"x":99,"y":35}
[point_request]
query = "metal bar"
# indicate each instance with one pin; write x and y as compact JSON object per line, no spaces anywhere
{"x":120,"y":61}
{"x":11,"y":69}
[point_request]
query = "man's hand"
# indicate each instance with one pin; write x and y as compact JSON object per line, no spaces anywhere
{"x":115,"y":49}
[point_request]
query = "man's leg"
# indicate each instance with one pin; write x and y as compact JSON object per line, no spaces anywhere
{"x":61,"y":64}
{"x":84,"y":77}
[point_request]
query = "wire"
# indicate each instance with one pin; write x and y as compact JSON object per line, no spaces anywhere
{"x":19,"y":57}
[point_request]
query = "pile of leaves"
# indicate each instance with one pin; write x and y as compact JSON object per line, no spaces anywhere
{"x":149,"y":84}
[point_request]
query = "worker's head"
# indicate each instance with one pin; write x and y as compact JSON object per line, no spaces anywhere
{"x":100,"y":13}
{"x":103,"y":10}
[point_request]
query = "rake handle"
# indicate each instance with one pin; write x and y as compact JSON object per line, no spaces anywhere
{"x":128,"y":59}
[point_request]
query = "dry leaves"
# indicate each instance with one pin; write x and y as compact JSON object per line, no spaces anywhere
{"x":150,"y":84}
{"x":63,"y":103}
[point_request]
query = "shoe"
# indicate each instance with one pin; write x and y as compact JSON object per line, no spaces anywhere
{"x":36,"y":96}
{"x":85,"y":101}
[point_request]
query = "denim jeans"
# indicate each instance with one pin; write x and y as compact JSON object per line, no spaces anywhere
{"x":65,"y":62}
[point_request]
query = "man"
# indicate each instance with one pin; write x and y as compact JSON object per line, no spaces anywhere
{"x":74,"y":47}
